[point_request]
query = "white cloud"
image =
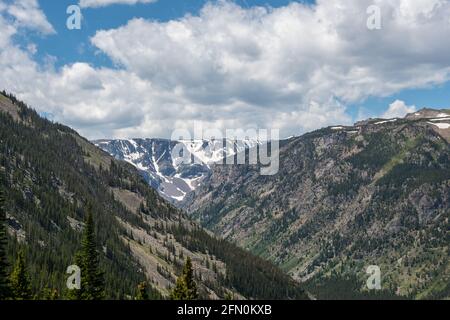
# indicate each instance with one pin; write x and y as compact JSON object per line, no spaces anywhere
{"x":398,"y":109}
{"x":32,"y":48}
{"x":294,"y":67}
{"x":28,"y":14}
{"x":104,"y":3}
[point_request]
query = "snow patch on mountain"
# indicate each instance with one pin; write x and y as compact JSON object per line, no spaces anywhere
{"x":386,"y":121}
{"x":441,"y":125}
{"x":166,"y":172}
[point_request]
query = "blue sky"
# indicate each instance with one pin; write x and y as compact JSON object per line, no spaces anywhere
{"x":299,"y":79}
{"x":437,"y":97}
{"x":73,"y":45}
{"x":70,"y":46}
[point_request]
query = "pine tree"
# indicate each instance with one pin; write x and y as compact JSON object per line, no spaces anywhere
{"x":142,"y":293}
{"x":19,"y":279}
{"x":190,"y":282}
{"x":4,"y":283}
{"x":92,"y":284}
{"x":185,"y":287}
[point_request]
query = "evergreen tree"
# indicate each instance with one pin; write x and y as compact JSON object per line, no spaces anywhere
{"x":20,"y":281}
{"x":92,"y":284}
{"x":185,"y":287}
{"x":4,"y":283}
{"x":142,"y":293}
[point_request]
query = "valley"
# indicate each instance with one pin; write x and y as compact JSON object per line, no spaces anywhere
{"x":346,"y":197}
{"x":51,"y":177}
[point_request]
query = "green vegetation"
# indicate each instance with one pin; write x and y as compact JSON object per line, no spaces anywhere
{"x":20,"y":280}
{"x":57,"y":185}
{"x":252,"y":276}
{"x":185,"y":287}
{"x":380,"y":149}
{"x":345,"y":288}
{"x":47,"y":181}
{"x":375,"y":194}
{"x":92,"y":287}
{"x":142,"y":293}
{"x":4,"y":283}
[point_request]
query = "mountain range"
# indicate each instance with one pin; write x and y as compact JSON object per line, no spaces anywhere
{"x":164,"y":170}
{"x":346,"y":197}
{"x":51,"y":177}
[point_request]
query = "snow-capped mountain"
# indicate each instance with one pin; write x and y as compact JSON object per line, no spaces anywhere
{"x":169,"y":174}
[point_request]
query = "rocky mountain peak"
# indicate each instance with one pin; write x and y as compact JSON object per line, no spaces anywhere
{"x":427,"y":113}
{"x":164,"y":171}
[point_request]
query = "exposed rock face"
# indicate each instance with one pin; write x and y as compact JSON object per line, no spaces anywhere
{"x":155,"y":160}
{"x":428,"y":114}
{"x":377,"y":193}
{"x":51,"y":177}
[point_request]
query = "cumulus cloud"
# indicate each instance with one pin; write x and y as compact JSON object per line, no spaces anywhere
{"x":28,"y":14}
{"x":104,"y":3}
{"x":295,"y":68}
{"x":398,"y":109}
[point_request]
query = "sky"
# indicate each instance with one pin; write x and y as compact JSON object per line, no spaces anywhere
{"x":144,"y":68}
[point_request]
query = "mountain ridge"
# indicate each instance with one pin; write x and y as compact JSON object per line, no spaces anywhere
{"x":346,"y":197}
{"x":166,"y":172}
{"x":52,"y":175}
{"x":175,"y":183}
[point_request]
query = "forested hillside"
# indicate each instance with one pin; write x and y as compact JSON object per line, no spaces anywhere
{"x":376,"y":193}
{"x":50,"y":176}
